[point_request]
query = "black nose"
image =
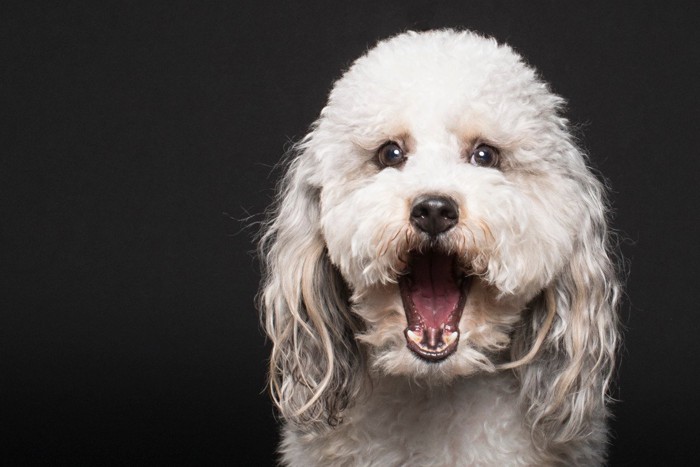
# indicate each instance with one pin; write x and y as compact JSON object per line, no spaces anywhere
{"x":434,"y":214}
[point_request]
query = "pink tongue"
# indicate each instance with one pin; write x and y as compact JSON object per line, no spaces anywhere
{"x":434,"y":292}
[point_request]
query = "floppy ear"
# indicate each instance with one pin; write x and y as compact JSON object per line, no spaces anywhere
{"x":304,"y":305}
{"x":564,"y":387}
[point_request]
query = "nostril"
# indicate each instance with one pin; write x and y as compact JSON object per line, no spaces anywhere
{"x":420,"y":210}
{"x":434,"y":214}
{"x":449,"y":212}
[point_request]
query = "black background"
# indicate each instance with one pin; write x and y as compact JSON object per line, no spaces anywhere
{"x":138,"y":145}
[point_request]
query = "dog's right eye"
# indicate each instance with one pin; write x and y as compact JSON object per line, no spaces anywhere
{"x":390,"y":154}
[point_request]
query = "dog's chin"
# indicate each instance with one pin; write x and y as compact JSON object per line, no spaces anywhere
{"x":464,"y":361}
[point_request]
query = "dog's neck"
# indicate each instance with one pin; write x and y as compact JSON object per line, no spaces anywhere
{"x":475,"y":417}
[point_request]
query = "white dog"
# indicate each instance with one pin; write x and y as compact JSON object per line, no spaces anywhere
{"x":438,"y":286}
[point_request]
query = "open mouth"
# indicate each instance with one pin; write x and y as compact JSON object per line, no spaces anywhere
{"x":433,"y":291}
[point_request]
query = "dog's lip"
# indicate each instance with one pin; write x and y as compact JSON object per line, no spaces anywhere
{"x":432,"y":332}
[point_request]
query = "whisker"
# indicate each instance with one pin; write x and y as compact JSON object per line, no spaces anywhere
{"x":486,"y":230}
{"x":384,"y":246}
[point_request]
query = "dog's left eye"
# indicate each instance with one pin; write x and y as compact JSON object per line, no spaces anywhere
{"x":484,"y":156}
{"x":390,"y":154}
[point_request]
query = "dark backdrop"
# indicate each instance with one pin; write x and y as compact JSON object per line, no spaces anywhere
{"x":138,"y":142}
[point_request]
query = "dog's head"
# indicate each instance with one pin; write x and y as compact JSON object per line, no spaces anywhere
{"x":439,"y":221}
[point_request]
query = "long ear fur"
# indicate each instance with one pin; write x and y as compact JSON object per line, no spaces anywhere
{"x":304,"y":306}
{"x":564,"y":389}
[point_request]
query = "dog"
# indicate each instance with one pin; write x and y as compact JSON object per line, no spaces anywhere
{"x":439,"y":284}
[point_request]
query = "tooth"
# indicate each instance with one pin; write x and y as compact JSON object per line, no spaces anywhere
{"x":450,"y":338}
{"x":413,"y":336}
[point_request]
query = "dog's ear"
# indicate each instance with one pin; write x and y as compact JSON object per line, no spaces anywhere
{"x":564,"y":388}
{"x":303,"y":302}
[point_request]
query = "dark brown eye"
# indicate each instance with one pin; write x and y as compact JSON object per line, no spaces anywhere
{"x":484,"y":156}
{"x":390,"y":154}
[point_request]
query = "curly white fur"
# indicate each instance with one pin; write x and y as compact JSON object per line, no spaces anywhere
{"x":527,"y":384}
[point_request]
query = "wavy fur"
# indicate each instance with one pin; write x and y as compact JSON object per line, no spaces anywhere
{"x":306,"y":313}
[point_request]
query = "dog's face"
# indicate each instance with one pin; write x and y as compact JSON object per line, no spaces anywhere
{"x":448,"y":198}
{"x":441,"y":187}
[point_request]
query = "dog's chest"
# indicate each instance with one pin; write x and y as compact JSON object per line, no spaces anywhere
{"x":473,"y":422}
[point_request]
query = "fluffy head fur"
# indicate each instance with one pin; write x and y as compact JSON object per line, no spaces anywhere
{"x":531,"y":231}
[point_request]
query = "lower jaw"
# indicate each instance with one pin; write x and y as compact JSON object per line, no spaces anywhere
{"x":429,"y":355}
